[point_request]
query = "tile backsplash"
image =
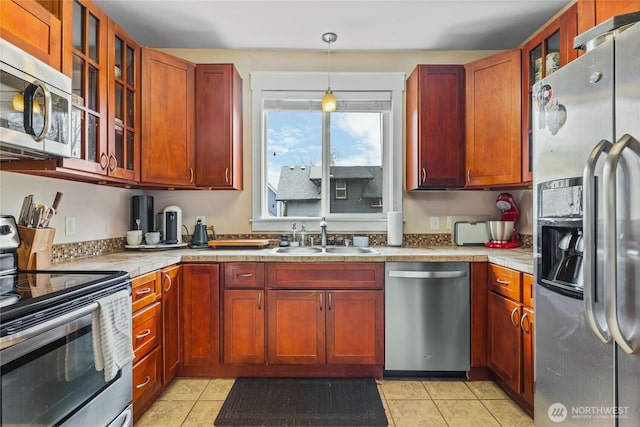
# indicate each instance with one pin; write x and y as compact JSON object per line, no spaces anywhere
{"x":73,"y":251}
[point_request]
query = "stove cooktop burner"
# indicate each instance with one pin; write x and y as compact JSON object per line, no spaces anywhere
{"x":30,"y":291}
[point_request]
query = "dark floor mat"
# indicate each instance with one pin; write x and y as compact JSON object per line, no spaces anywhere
{"x":302,"y":402}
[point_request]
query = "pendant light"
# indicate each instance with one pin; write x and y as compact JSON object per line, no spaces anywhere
{"x":329,"y":103}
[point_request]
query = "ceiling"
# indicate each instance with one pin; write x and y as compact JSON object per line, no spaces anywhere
{"x":359,"y":24}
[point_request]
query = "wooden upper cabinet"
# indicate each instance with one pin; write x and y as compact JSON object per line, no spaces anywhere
{"x":593,"y":12}
{"x":35,"y":27}
{"x":218,"y":127}
{"x":493,"y":116}
{"x":435,"y":127}
{"x":167,"y":124}
{"x":89,"y":110}
{"x":124,"y":105}
{"x":548,"y":50}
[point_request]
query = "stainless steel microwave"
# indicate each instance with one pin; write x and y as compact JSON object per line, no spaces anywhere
{"x":35,"y":107}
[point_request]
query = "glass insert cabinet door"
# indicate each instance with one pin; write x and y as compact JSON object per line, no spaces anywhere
{"x":105,"y":84}
{"x":123,"y":133}
{"x":89,"y":106}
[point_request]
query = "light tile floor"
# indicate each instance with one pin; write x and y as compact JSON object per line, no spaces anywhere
{"x":195,"y":402}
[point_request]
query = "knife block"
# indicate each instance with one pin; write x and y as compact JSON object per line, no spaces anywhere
{"x":34,"y":252}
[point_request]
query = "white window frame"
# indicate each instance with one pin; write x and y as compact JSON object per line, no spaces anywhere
{"x":341,"y":185}
{"x":264,"y":82}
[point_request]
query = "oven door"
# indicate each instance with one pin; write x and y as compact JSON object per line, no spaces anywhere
{"x":49,"y":376}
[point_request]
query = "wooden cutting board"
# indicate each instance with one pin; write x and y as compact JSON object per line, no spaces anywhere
{"x":239,"y":243}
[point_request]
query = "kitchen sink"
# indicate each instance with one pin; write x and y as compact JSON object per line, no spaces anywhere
{"x":331,"y":250}
{"x":298,"y":250}
{"x":350,"y":250}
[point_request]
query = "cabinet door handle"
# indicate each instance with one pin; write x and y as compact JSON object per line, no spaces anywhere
{"x":226,"y":175}
{"x":524,"y":317}
{"x":104,"y":161}
{"x":143,"y":291}
{"x":469,"y":175}
{"x":503,"y":282}
{"x":144,"y":334}
{"x":320,"y":302}
{"x":259,"y":300}
{"x":330,"y":302}
{"x":144,"y":383}
{"x":167,"y":278}
{"x":190,"y":174}
{"x":424,"y":175}
{"x":514,"y":311}
{"x":113,"y":163}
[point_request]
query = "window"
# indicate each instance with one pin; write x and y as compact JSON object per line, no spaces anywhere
{"x":309,"y":164}
{"x":341,"y":189}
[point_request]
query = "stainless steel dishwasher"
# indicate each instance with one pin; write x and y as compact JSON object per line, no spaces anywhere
{"x":427,"y":318}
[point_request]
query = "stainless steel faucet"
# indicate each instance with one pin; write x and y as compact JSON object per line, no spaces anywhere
{"x":323,"y":232}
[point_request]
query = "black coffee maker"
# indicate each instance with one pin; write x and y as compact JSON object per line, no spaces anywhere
{"x":142,"y":210}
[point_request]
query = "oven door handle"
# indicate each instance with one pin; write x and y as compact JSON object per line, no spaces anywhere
{"x":589,"y":239}
{"x":13,"y":339}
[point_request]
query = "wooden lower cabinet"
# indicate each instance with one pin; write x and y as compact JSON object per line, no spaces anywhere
{"x":296,"y":331}
{"x":244,"y":326}
{"x":505,"y":339}
{"x":333,"y":327}
{"x":200,"y":315}
{"x":170,"y":281}
{"x":510,"y":328}
{"x":526,"y":325}
{"x":147,"y":382}
{"x":146,"y":339}
{"x":354,"y":325}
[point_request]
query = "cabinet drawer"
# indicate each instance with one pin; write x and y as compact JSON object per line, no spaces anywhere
{"x":145,"y":330}
{"x":325,"y":275}
{"x":243,"y":275}
{"x":527,"y":289}
{"x":145,"y":290}
{"x":146,"y":377}
{"x":505,"y":281}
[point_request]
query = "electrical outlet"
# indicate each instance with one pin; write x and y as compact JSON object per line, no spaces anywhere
{"x":435,"y":223}
{"x":449,"y":222}
{"x":201,"y":218}
{"x":69,"y":225}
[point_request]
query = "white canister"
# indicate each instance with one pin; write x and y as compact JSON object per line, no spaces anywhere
{"x":394,"y":228}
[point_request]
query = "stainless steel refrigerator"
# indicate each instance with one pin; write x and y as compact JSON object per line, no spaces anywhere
{"x":586,"y":168}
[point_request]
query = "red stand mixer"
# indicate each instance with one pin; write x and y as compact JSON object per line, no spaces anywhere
{"x":503,"y":233}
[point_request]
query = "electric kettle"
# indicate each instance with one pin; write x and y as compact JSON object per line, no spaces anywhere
{"x":200,"y":238}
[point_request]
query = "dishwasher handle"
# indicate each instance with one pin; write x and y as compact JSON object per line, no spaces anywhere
{"x":427,"y":274}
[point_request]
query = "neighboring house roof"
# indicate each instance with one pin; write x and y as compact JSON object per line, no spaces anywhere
{"x":295,"y":184}
{"x":303,"y":183}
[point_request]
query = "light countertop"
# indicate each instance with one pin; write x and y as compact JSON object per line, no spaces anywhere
{"x":141,"y":262}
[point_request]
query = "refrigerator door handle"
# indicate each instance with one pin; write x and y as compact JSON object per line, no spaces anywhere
{"x":590,"y":240}
{"x":610,"y":247}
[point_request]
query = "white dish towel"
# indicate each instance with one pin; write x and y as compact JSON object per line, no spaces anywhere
{"x":111,"y":323}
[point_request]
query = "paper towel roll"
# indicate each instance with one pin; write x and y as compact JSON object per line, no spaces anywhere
{"x":394,"y":228}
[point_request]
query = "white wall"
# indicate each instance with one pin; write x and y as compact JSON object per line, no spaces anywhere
{"x":103,"y":212}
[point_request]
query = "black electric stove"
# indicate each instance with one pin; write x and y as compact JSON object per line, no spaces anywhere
{"x":28,"y":297}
